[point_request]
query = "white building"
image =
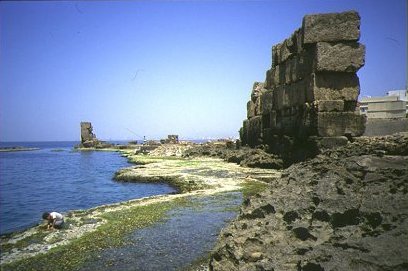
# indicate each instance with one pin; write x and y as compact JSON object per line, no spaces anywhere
{"x":402,"y":94}
{"x":392,"y":106}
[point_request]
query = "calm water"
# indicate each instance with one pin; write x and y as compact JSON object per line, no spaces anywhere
{"x":189,"y":233}
{"x":57,"y":178}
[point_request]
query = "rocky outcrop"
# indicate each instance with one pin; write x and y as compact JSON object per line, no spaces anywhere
{"x":247,"y":157}
{"x":346,"y":209}
{"x":311,"y":90}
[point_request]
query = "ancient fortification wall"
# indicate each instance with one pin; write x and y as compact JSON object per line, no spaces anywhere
{"x":310,"y":92}
{"x":87,"y":132}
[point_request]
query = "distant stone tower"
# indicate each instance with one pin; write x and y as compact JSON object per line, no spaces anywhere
{"x":87,"y":132}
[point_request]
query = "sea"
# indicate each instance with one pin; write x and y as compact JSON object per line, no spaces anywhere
{"x":58,"y":178}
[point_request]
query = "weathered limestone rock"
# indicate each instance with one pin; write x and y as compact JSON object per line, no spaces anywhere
{"x":244,"y":132}
{"x":331,"y":142}
{"x":250,"y":109}
{"x":340,"y":124}
{"x":266,"y":102}
{"x":88,"y":138}
{"x":294,"y":69}
{"x":339,"y":57}
{"x":333,"y":86}
{"x":87,"y":132}
{"x":257,"y":90}
{"x":343,"y":26}
{"x":254,"y":131}
{"x":313,"y":72}
{"x":346,"y":209}
{"x":288,"y":48}
{"x":289,"y":96}
{"x":329,"y":106}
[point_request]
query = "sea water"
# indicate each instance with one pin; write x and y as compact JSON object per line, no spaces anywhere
{"x":57,"y":178}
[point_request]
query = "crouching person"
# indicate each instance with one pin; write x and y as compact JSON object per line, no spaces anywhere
{"x":55,"y":220}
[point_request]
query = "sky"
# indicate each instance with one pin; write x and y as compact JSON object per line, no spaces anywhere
{"x":153,"y":68}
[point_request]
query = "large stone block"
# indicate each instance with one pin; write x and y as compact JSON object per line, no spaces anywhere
{"x":297,"y":93}
{"x":275,"y":77}
{"x":254,"y":131}
{"x":87,"y":132}
{"x":280,"y":53}
{"x":277,"y":99}
{"x":331,"y":27}
{"x":288,"y":48}
{"x":333,"y":86}
{"x":292,"y":70}
{"x":339,"y":57}
{"x":268,"y":80}
{"x":340,"y":124}
{"x":266,"y":102}
{"x":257,"y":90}
{"x":244,"y":132}
{"x":329,"y":106}
{"x":299,"y":67}
{"x":250,"y":109}
{"x":290,"y":95}
{"x":258,"y":106}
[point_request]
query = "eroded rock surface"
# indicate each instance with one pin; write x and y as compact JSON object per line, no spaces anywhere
{"x":246,"y":157}
{"x":346,"y":209}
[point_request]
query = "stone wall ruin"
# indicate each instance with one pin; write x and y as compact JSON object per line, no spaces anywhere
{"x":88,"y":138}
{"x":310,"y":93}
{"x":87,"y":132}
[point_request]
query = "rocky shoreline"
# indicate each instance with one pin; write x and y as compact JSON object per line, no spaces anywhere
{"x":194,"y":177}
{"x":345,"y":209}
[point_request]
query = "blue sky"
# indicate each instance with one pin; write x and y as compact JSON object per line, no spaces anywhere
{"x":152,"y":68}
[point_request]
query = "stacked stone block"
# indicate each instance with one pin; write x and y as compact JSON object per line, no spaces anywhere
{"x":312,"y":86}
{"x":87,"y":132}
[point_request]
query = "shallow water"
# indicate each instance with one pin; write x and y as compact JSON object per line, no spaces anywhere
{"x":55,"y":178}
{"x":188,"y":234}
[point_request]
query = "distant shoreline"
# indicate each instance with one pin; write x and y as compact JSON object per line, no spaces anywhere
{"x":17,"y":148}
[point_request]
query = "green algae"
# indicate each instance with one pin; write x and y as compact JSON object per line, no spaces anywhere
{"x":24,"y":242}
{"x":142,"y":159}
{"x":120,"y":223}
{"x":111,"y":234}
{"x":251,"y":188}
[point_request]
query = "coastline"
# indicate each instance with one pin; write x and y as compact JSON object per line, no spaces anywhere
{"x":194,"y":178}
{"x":17,"y":149}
